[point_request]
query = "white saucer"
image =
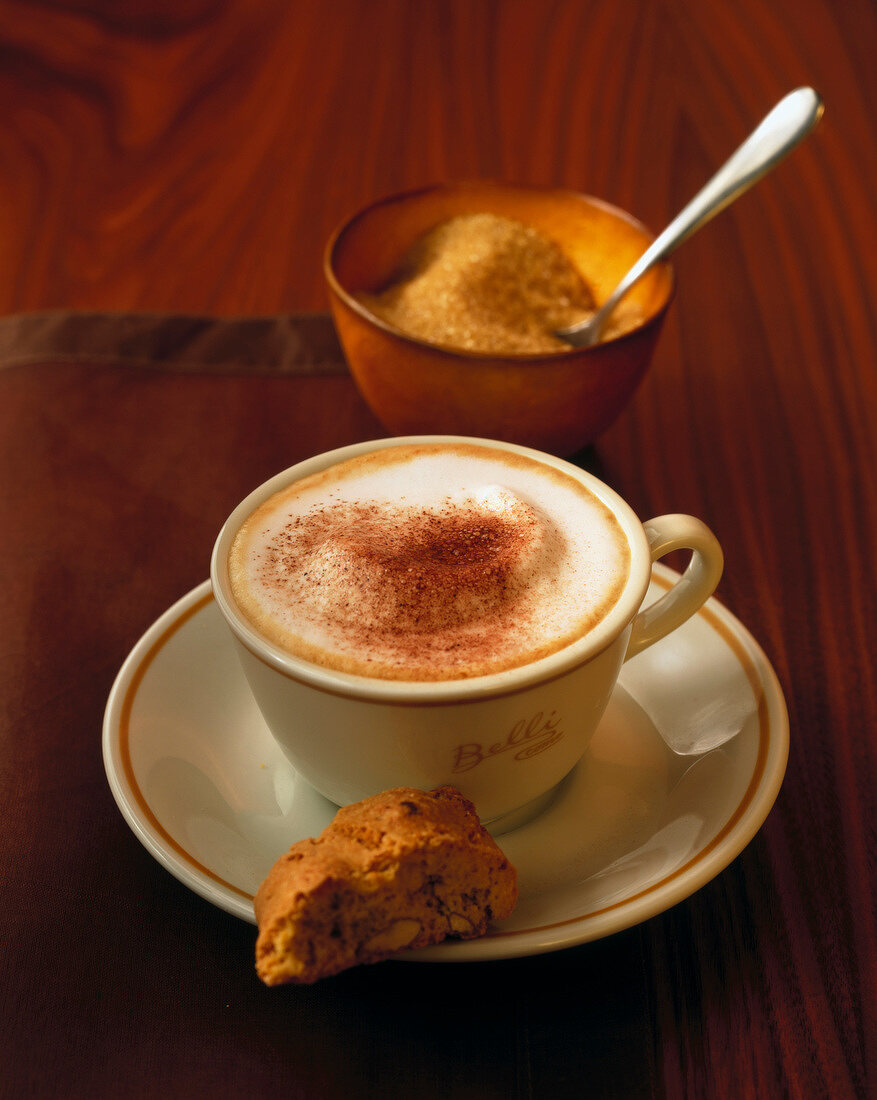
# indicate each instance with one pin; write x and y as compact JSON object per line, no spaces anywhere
{"x":680,"y":775}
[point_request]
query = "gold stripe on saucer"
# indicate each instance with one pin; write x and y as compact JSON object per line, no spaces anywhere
{"x":721,"y":628}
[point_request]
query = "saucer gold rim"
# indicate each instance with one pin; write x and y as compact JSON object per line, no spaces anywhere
{"x":761,"y":791}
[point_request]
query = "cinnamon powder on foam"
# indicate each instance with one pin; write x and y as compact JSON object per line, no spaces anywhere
{"x":445,"y":590}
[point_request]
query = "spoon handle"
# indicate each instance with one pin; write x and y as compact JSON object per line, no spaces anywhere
{"x":775,"y":136}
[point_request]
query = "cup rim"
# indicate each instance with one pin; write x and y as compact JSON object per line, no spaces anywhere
{"x":508,"y":681}
{"x":521,"y":359}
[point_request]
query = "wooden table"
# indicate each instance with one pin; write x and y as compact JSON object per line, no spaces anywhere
{"x":169,"y":174}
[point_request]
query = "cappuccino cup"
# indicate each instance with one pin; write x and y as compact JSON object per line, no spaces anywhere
{"x":443,"y":610}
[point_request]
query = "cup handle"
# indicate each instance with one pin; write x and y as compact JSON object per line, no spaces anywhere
{"x":694,"y":587}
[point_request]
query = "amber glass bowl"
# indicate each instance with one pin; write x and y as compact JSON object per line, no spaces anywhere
{"x":556,"y":402}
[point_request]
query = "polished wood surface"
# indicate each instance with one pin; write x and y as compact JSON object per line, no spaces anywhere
{"x":193,"y":157}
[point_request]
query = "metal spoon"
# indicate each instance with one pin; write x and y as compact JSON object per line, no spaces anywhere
{"x":776,"y":135}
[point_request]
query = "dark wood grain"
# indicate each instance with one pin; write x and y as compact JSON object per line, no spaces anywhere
{"x":193,"y":158}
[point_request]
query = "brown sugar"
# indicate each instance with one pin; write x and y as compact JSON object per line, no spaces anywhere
{"x":484,"y":283}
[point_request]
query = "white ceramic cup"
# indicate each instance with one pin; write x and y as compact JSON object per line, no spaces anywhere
{"x":504,"y":739}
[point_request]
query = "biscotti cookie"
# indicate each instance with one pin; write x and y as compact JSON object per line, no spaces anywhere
{"x":403,"y":869}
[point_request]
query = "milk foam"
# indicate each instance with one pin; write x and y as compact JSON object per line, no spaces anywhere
{"x":429,"y":562}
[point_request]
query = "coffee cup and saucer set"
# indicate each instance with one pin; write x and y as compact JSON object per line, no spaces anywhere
{"x":620,"y":766}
